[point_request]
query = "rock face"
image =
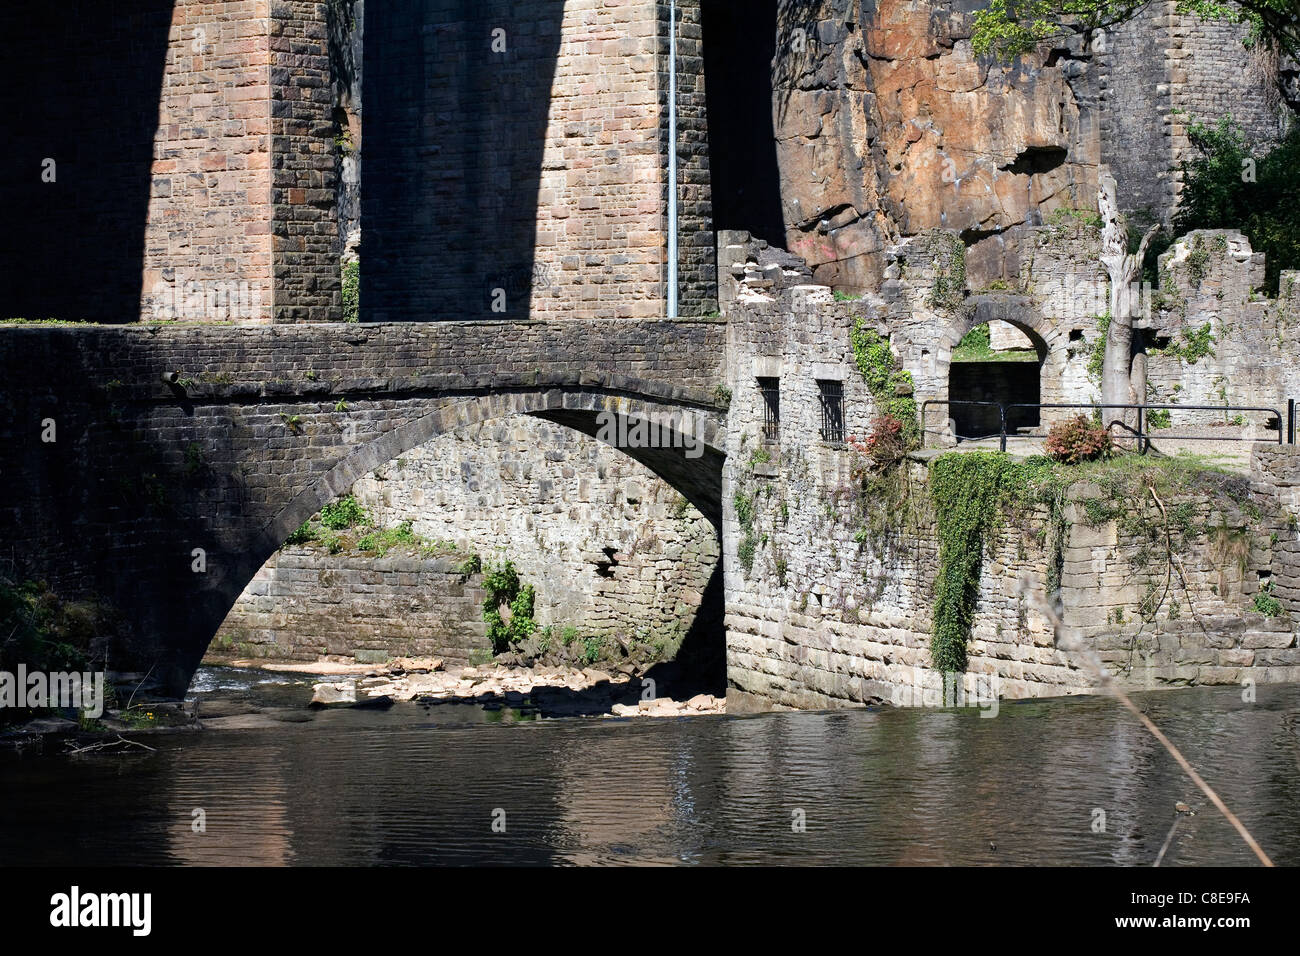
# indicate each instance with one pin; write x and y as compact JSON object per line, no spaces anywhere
{"x":889,"y":127}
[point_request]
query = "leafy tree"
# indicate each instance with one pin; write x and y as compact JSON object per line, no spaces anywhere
{"x":1219,"y":192}
{"x":1009,"y":28}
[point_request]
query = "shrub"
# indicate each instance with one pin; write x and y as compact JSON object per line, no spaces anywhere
{"x":352,"y":291}
{"x":1078,"y":440}
{"x":886,"y":444}
{"x":504,"y":590}
{"x":342,"y":514}
{"x":303,"y":535}
{"x":1266,"y":603}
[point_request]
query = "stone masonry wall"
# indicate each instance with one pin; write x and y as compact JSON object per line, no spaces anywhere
{"x":835,"y":608}
{"x":304,"y":197}
{"x":611,"y":548}
{"x":1213,"y":278}
{"x":305,"y":604}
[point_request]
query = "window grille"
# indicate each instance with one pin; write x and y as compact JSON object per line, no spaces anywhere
{"x":770,"y":389}
{"x":832,"y":399}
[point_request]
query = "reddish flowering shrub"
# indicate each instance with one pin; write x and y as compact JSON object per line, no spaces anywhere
{"x":1076,"y":440}
{"x":886,"y":443}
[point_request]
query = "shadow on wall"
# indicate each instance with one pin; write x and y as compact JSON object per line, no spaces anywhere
{"x":739,"y":43}
{"x":455,"y":132}
{"x":83,"y":83}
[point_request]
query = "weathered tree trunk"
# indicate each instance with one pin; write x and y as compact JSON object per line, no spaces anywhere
{"x":1123,"y":269}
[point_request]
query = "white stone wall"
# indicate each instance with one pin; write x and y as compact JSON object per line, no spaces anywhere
{"x":611,"y":548}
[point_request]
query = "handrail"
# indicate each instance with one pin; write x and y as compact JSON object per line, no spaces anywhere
{"x":1143,"y":437}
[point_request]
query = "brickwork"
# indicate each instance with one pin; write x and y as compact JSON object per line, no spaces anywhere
{"x":529,"y":181}
{"x":304,"y":188}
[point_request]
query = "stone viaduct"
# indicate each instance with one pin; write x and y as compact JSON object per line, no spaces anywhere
{"x":154,"y":469}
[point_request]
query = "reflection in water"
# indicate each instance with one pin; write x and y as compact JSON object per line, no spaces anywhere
{"x":879,"y":787}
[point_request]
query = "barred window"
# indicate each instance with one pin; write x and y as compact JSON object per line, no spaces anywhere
{"x":832,"y":399}
{"x":770,"y":389}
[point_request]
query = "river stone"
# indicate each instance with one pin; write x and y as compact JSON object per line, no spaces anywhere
{"x":327,"y":695}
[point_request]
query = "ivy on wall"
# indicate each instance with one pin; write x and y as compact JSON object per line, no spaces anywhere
{"x":889,"y":384}
{"x":970,"y":491}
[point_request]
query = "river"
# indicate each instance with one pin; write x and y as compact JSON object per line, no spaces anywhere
{"x":425,"y":784}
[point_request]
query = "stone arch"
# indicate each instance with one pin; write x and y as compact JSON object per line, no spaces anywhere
{"x":1049,"y":340}
{"x":699,"y":479}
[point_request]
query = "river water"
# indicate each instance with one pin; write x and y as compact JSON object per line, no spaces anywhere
{"x":419,"y":784}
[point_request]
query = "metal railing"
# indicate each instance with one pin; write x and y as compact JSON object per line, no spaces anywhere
{"x":1141,"y":433}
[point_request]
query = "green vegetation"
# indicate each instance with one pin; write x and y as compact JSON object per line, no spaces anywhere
{"x":380,"y":541}
{"x":1219,"y":193}
{"x":505,"y":591}
{"x":722,"y":395}
{"x":45,"y":633}
{"x":1011,"y":28}
{"x":1195,"y":345}
{"x":1097,"y":350}
{"x":975,"y":347}
{"x":342,"y":514}
{"x":352,"y":291}
{"x":1159,"y":418}
{"x":890,"y":386}
{"x":305,"y":534}
{"x":1265,"y":603}
{"x":745,"y":516}
{"x":471,"y":565}
{"x":949,"y":259}
{"x":975,"y":493}
{"x":839,"y":296}
{"x":970,"y":491}
{"x":1065,"y":216}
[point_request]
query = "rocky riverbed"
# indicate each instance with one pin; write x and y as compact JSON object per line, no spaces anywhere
{"x":548,"y":691}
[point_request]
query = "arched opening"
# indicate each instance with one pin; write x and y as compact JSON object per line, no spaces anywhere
{"x":996,"y":369}
{"x":402,"y":576}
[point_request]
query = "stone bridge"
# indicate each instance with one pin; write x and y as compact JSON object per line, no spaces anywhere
{"x":151,"y":470}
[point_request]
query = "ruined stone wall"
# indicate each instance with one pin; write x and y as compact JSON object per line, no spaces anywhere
{"x":1213,"y":278}
{"x":305,"y":604}
{"x":1158,"y":74}
{"x":1275,"y":473}
{"x":829,"y":596}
